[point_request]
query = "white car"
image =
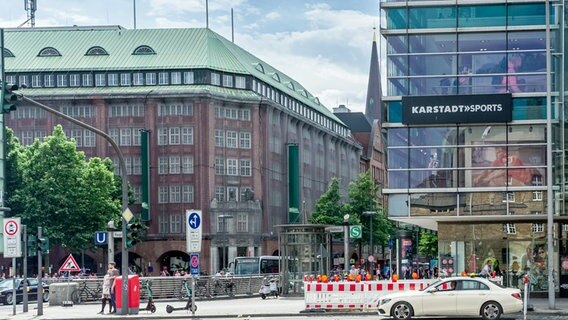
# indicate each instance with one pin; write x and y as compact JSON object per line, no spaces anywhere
{"x":455,"y":296}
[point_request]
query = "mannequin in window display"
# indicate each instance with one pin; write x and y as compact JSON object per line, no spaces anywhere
{"x":527,"y":260}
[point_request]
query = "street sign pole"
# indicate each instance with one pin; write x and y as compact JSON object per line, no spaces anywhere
{"x":25,"y":249}
{"x":39,"y":277}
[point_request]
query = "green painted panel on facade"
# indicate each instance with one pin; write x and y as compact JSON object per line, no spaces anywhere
{"x":145,"y":159}
{"x":293,"y":184}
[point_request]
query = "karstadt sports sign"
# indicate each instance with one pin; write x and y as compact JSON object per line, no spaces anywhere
{"x":457,"y":109}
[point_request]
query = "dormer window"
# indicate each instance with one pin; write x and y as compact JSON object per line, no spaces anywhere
{"x":49,"y":52}
{"x":8,"y":53}
{"x":143,"y":50}
{"x":290,"y":85}
{"x":259,"y":67}
{"x":276,"y":77}
{"x":96,"y":51}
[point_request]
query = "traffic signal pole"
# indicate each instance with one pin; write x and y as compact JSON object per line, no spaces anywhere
{"x":122,"y":164}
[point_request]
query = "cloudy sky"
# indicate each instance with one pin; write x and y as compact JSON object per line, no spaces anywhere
{"x":324,"y":45}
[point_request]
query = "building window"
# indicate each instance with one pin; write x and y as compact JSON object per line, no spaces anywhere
{"x":244,"y":140}
{"x":215,"y":79}
{"x":174,"y":136}
{"x":125,"y":79}
{"x":100,"y":80}
{"x":136,"y":136}
{"x":74,"y":80}
{"x":23,"y":81}
{"x":162,"y":136}
{"x":49,"y":81}
{"x":227,"y":80}
{"x":96,"y":51}
{"x":188,"y":77}
{"x":62,"y":80}
{"x":244,"y":114}
{"x":242,"y":222}
{"x":175,"y":223}
{"x":125,"y":136}
{"x":219,"y":166}
{"x":36,"y":81}
{"x":537,"y":227}
{"x":176,"y":77}
{"x":508,"y":197}
{"x":232,"y":167}
{"x":246,"y":168}
{"x":89,"y":139}
{"x":188,"y":193}
{"x":163,"y":78}
{"x":219,"y":138}
{"x":509,"y":228}
{"x":175,"y":165}
{"x":219,"y":193}
{"x":232,"y":194}
{"x":240,"y":82}
{"x":537,"y":196}
{"x":175,"y":194}
{"x":143,"y":50}
{"x":187,"y":164}
{"x":150,"y":78}
{"x":232,"y":139}
{"x":163,"y":224}
{"x":87,"y":80}
{"x":113,"y":79}
{"x":138,"y":78}
{"x":162,"y":165}
{"x":218,"y":112}
{"x":163,"y":194}
{"x":136,"y":166}
{"x":187,"y":135}
{"x":48,"y":52}
{"x":232,"y":113}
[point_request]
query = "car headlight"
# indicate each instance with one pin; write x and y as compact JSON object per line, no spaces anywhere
{"x":384,"y":301}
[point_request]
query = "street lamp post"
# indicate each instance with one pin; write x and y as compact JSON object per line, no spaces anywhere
{"x":122,"y":164}
{"x":346,"y":242}
{"x":225,"y":246}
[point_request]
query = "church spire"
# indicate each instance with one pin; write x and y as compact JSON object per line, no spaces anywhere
{"x":373,"y":108}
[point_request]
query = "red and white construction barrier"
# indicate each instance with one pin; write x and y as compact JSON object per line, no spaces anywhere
{"x":354,"y":295}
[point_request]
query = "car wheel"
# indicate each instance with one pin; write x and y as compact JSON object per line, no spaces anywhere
{"x":491,"y":311}
{"x":401,"y":311}
{"x":9,"y":297}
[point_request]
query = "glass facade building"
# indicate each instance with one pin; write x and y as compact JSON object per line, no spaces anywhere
{"x":476,"y":131}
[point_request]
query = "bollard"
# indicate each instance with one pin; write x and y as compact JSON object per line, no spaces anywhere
{"x":526,"y":297}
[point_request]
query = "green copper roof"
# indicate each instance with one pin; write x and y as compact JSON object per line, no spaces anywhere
{"x":174,"y":49}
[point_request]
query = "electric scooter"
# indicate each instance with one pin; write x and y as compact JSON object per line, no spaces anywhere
{"x":150,"y":306}
{"x":189,"y":305}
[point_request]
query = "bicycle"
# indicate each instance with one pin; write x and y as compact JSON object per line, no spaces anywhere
{"x":224,"y":286}
{"x":86,"y":293}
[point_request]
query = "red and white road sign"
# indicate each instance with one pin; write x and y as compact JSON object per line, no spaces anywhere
{"x":70,"y":264}
{"x":11,"y":227}
{"x":12,"y":237}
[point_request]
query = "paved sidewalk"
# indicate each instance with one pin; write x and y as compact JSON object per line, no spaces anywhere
{"x":239,"y":307}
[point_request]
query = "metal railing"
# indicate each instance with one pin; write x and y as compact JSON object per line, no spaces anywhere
{"x":206,"y":287}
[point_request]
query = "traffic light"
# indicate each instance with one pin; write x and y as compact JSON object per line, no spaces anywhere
{"x":133,"y":234}
{"x":9,"y":97}
{"x":32,"y":245}
{"x":43,"y":244}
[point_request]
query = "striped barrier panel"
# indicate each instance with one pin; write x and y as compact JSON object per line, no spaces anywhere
{"x":354,"y":295}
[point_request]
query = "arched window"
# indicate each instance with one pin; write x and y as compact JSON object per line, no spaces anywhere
{"x":143,"y":50}
{"x":96,"y":51}
{"x":8,"y":53}
{"x":49,"y":52}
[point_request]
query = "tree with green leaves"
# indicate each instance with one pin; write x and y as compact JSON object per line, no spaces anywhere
{"x":428,"y":244}
{"x":329,"y":209}
{"x":55,"y":187}
{"x":363,"y":204}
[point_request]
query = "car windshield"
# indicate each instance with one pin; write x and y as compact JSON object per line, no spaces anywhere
{"x":431,"y":285}
{"x":6,"y":284}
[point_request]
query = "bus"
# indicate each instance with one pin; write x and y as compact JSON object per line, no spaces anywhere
{"x":253,"y":266}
